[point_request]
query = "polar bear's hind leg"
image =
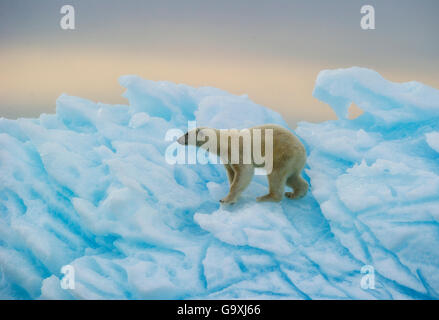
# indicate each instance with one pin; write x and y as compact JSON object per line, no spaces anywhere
{"x":276,"y":182}
{"x":299,"y":185}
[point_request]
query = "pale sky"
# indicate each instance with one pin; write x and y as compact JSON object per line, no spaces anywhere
{"x":270,"y":50}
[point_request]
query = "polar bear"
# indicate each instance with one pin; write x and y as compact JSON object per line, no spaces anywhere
{"x":282,"y":148}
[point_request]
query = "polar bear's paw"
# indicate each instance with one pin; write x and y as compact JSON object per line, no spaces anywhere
{"x":269,"y":198}
{"x":227,"y":200}
{"x":294,"y":195}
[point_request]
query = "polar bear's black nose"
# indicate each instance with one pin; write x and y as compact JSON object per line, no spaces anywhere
{"x":183,"y":139}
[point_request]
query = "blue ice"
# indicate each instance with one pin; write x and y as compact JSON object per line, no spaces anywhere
{"x":89,"y":187}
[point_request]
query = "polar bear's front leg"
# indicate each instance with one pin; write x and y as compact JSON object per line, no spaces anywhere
{"x":243,"y":174}
{"x":230,"y":173}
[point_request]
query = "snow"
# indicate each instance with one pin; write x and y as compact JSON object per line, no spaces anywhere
{"x":90,"y":187}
